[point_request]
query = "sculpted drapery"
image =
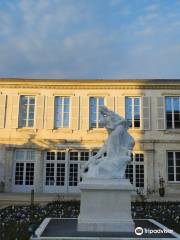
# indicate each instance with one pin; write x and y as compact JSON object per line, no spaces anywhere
{"x":112,"y":159}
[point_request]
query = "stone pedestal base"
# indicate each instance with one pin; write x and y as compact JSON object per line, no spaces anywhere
{"x":105,"y":206}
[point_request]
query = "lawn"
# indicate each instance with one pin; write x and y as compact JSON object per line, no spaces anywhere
{"x":15,"y":220}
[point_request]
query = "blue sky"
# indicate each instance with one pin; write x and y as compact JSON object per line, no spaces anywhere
{"x":90,"y":38}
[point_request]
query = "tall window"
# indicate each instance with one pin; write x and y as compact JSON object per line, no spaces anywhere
{"x":132,"y":111}
{"x":62,"y":171}
{"x":77,"y":159}
{"x":24,"y":167}
{"x":172,"y":112}
{"x":135,"y":170}
{"x":62,"y":112}
{"x":55,"y":168}
{"x":96,"y":119}
{"x":26,"y":111}
{"x":173,"y":166}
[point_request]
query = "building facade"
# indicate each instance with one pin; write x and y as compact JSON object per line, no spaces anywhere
{"x":49,"y":128}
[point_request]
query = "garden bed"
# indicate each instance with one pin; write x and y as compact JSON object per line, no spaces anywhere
{"x":15,"y":220}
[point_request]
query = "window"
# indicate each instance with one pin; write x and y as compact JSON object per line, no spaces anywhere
{"x":62,"y":112}
{"x":26,"y":111}
{"x":24,"y":167}
{"x":135,"y":170}
{"x":55,"y":168}
{"x":77,"y":159}
{"x":132,"y":111}
{"x":172,"y":112}
{"x":173,"y":166}
{"x":62,"y":169}
{"x":96,"y":119}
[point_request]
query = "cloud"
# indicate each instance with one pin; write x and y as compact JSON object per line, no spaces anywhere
{"x":60,"y":39}
{"x":152,"y":8}
{"x":146,"y":32}
{"x":115,"y":2}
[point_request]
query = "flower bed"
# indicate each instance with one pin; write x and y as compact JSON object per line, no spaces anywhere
{"x":15,"y":220}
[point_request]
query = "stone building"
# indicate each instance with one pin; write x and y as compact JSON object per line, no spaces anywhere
{"x":48,"y":128}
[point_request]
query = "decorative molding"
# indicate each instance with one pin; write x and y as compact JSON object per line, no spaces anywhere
{"x":98,"y":94}
{"x":132,"y":87}
{"x":170,"y":94}
{"x":133,"y":95}
{"x":63,"y":94}
{"x":90,"y":84}
{"x":28,"y":93}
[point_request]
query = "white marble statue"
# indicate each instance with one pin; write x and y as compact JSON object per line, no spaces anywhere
{"x":112,"y":159}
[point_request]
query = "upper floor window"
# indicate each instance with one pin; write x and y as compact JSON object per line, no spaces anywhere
{"x":173,"y":166}
{"x":172,"y":112}
{"x":96,"y":119}
{"x":62,"y":112}
{"x":132,"y":111}
{"x":26,"y":111}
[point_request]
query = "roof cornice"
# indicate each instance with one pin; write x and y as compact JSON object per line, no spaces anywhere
{"x":90,"y":83}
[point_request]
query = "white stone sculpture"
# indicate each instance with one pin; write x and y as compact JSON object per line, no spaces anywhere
{"x":112,"y":159}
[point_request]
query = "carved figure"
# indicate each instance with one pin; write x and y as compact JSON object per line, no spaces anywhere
{"x":112,"y":159}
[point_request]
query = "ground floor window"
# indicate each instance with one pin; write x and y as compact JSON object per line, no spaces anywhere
{"x":173,"y":166}
{"x":24,"y":166}
{"x":62,"y":169}
{"x":55,"y":168}
{"x":135,"y":170}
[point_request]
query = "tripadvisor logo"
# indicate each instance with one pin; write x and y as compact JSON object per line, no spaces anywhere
{"x":139,"y":231}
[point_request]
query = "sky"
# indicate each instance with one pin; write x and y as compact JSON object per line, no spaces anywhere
{"x":87,"y":39}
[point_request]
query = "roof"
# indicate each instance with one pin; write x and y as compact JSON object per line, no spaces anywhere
{"x":154,"y":80}
{"x":90,"y":83}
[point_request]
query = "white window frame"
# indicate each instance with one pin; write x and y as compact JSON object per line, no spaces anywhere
{"x":23,"y":187}
{"x":174,"y":163}
{"x":27,"y":114}
{"x":80,"y":165}
{"x":97,"y":112}
{"x":140,"y":106}
{"x":66,"y":188}
{"x":62,"y":113}
{"x":54,"y":188}
{"x":134,"y":163}
{"x":172,"y":106}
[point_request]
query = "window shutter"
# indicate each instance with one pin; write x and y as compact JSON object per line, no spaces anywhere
{"x":15,"y":111}
{"x":75,"y":113}
{"x":121,"y":106}
{"x":50,"y":113}
{"x":84,"y":113}
{"x":160,"y":113}
{"x":146,"y":113}
{"x":2,"y":110}
{"x":110,"y":103}
{"x":39,"y":112}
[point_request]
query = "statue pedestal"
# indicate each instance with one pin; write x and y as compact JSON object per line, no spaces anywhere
{"x":105,"y":205}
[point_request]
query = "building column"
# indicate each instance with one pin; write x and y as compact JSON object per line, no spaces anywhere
{"x":2,"y":168}
{"x":150,"y":171}
{"x":39,"y":172}
{"x":9,"y":169}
